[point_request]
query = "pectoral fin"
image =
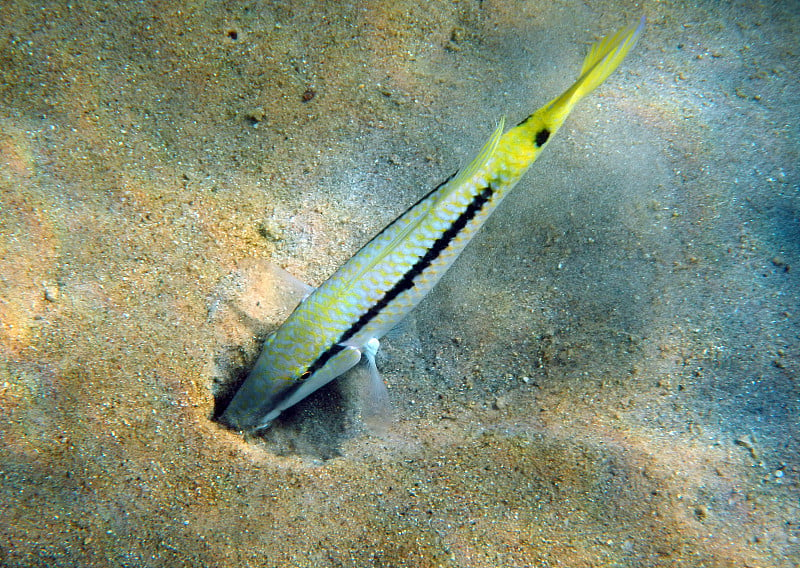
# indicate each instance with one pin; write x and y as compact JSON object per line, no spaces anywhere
{"x":336,"y":366}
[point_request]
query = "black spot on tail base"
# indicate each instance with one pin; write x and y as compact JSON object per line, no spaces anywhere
{"x":541,"y":137}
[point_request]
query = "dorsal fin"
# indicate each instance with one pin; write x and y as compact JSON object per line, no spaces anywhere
{"x":480,"y":160}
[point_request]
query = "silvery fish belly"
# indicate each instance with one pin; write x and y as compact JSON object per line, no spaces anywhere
{"x":328,"y":332}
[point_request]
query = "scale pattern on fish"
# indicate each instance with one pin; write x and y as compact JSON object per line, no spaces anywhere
{"x":330,"y":329}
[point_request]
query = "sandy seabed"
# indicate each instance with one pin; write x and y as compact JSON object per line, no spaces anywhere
{"x":607,"y":377}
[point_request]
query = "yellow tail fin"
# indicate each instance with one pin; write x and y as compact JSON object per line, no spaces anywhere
{"x":604,"y":57}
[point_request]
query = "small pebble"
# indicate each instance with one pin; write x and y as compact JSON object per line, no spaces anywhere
{"x":701,"y":512}
{"x":780,"y":262}
{"x":51,"y":293}
{"x":256,"y":115}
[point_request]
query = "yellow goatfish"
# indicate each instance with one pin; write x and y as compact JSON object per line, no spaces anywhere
{"x":328,"y":332}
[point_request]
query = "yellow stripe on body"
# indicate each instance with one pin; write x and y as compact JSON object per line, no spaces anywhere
{"x":391,"y":274}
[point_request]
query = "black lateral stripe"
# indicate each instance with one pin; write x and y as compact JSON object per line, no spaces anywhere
{"x":407,"y":281}
{"x":321,"y":360}
{"x":420,"y":200}
{"x":315,"y":366}
{"x":335,"y":348}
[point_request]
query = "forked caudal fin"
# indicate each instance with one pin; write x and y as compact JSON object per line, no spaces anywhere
{"x":604,"y":57}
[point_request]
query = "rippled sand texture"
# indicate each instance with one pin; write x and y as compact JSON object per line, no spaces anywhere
{"x":608,"y":377}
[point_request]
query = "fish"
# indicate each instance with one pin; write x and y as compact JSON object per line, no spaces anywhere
{"x":344,"y":318}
